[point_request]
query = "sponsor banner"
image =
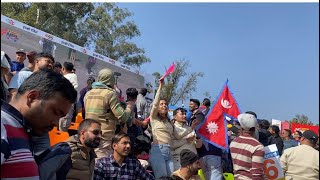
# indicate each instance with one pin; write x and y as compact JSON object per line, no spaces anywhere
{"x":63,"y":42}
{"x":271,"y":165}
{"x":304,"y":127}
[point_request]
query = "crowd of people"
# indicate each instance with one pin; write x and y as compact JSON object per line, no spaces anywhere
{"x":125,"y":139}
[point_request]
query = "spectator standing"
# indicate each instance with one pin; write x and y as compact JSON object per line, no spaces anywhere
{"x":31,"y":58}
{"x":65,"y":122}
{"x":57,"y":67}
{"x":186,"y":142}
{"x":274,"y":130}
{"x":302,"y":162}
{"x":246,"y":148}
{"x":288,"y":142}
{"x":101,"y":103}
{"x":83,"y":92}
{"x":205,"y":106}
{"x":19,"y":63}
{"x":142,"y":104}
{"x":196,"y":113}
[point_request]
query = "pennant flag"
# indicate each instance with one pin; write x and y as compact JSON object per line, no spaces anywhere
{"x":169,"y":71}
{"x":214,"y":128}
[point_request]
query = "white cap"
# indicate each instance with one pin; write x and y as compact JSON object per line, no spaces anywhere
{"x":247,"y":121}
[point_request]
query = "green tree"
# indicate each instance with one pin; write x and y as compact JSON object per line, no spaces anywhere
{"x":103,"y":26}
{"x":110,"y":30}
{"x":59,"y":19}
{"x":180,"y":84}
{"x":301,"y":119}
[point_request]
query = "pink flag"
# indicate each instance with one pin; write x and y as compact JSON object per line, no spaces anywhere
{"x":169,"y":71}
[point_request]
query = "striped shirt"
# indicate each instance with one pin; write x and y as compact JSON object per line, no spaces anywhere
{"x":17,"y":161}
{"x":247,"y":156}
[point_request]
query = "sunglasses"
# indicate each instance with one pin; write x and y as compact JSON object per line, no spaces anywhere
{"x":96,"y":132}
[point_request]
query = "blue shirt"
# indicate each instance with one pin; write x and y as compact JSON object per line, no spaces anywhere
{"x":18,"y":79}
{"x":289,"y":143}
{"x":16,"y":66}
{"x":131,"y":169}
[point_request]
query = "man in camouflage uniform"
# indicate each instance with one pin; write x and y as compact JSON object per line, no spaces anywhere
{"x":101,"y":104}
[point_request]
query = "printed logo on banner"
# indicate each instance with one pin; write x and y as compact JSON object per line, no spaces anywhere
{"x":30,"y":29}
{"x":112,"y":61}
{"x":10,"y":35}
{"x":3,"y":31}
{"x":11,"y":22}
{"x":124,"y":66}
{"x":49,"y":37}
{"x":67,"y":44}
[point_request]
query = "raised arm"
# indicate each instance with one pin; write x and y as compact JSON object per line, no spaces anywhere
{"x":156,"y":101}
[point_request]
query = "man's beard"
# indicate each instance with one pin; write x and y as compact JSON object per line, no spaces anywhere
{"x":93,"y":143}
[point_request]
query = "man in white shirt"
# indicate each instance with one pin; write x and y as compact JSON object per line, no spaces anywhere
{"x":67,"y":73}
{"x":66,"y":70}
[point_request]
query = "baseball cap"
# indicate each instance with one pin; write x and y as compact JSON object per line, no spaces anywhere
{"x":311,"y":136}
{"x":21,"y":51}
{"x":247,"y":121}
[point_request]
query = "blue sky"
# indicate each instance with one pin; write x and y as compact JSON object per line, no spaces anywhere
{"x":268,"y":51}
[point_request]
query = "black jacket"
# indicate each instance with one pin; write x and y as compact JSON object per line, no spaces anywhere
{"x":197,"y":115}
{"x":279,"y":142}
{"x":265,"y":137}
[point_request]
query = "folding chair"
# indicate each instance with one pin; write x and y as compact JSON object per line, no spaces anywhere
{"x":57,"y":136}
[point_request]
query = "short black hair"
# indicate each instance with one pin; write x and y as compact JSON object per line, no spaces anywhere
{"x":57,"y":65}
{"x":143,"y":91}
{"x":48,"y":82}
{"x":119,"y":127}
{"x":91,"y":79}
{"x":252,"y":113}
{"x":264,"y":124}
{"x":44,"y":55}
{"x":85,"y":124}
{"x":179,"y":109}
{"x":275,"y":128}
{"x":206,"y":102}
{"x":132,"y":93}
{"x":195,"y":101}
{"x":68,"y":66}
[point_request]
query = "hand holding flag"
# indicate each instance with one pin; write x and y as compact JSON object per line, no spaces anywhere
{"x":169,"y":71}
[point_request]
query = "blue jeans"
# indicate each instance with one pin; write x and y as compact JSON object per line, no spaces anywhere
{"x":211,"y":167}
{"x":161,"y":160}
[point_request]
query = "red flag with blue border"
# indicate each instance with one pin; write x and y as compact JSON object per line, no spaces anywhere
{"x":214,"y":128}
